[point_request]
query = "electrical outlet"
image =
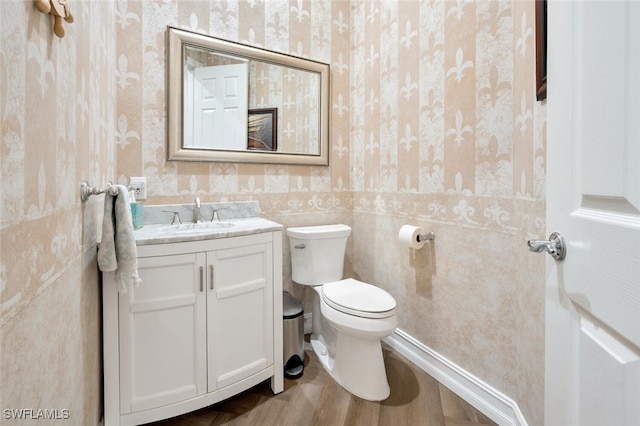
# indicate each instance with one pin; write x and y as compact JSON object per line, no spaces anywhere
{"x":139,"y":186}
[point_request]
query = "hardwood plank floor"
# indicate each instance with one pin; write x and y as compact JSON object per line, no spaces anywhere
{"x":316,"y":399}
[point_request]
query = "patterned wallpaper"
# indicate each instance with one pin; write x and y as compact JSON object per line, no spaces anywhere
{"x":442,"y":105}
{"x":57,"y":109}
{"x":446,"y":134}
{"x":433,"y":122}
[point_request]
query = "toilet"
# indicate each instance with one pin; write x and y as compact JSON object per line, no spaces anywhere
{"x":349,"y":317}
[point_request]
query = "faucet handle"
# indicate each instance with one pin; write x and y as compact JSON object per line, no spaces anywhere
{"x":176,"y":215}
{"x":214,"y":216}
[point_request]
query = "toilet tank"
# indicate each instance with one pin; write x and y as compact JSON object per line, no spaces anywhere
{"x":317,"y":253}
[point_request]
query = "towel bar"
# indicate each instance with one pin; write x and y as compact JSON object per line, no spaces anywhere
{"x":87,"y":190}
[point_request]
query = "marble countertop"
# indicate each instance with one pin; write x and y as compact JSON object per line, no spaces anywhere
{"x":165,"y":233}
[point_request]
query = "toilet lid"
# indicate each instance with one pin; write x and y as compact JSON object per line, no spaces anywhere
{"x":354,"y":297}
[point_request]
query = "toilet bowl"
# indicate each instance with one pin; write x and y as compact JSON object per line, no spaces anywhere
{"x":349,"y":317}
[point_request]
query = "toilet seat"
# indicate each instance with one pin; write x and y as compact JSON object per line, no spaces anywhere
{"x":360,"y":299}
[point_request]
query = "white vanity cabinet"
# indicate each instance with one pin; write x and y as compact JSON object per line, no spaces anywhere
{"x":205,"y":324}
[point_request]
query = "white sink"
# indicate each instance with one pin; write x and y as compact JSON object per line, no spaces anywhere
{"x":194,"y":227}
{"x":157,"y":233}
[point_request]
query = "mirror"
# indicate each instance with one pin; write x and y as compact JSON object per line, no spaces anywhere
{"x":230,"y":102}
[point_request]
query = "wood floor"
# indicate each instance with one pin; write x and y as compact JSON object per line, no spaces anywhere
{"x":315,"y":399}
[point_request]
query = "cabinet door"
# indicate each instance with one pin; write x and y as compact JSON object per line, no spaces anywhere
{"x":240,"y":313}
{"x":163,"y":333}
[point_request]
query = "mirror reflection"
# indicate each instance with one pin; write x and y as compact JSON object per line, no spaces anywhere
{"x":232,"y":102}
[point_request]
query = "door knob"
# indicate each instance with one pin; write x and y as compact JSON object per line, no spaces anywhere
{"x":555,"y":246}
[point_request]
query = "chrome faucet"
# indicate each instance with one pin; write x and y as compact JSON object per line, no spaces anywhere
{"x":196,"y":211}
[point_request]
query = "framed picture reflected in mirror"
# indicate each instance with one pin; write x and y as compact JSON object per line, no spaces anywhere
{"x":263,"y":129}
{"x":541,"y":49}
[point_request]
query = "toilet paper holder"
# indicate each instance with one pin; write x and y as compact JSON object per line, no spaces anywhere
{"x":414,"y":237}
{"x":427,"y":236}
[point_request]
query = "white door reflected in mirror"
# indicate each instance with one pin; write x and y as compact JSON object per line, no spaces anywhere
{"x":219,"y":107}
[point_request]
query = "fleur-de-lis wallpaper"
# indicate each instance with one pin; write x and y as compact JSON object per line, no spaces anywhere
{"x":434,"y":122}
{"x":57,"y":107}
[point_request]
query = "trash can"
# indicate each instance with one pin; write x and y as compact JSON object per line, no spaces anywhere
{"x":293,"y":336}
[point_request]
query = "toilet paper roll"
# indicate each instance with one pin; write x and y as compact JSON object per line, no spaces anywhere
{"x":410,"y":236}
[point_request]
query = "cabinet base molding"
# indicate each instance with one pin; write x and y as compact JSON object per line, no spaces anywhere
{"x":196,"y":403}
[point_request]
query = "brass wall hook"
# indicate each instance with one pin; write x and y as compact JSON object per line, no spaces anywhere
{"x":59,"y":9}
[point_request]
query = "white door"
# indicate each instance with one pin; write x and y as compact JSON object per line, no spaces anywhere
{"x":593,"y":199}
{"x":221,"y":96}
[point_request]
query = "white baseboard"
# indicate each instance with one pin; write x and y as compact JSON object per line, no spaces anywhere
{"x":489,"y":401}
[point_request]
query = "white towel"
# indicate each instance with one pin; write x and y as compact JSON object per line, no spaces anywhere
{"x":117,"y":251}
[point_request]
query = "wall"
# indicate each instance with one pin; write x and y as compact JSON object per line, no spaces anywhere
{"x":57,"y":129}
{"x":446,"y":134}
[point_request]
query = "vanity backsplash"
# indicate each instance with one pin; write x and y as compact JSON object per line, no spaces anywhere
{"x":163,"y":213}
